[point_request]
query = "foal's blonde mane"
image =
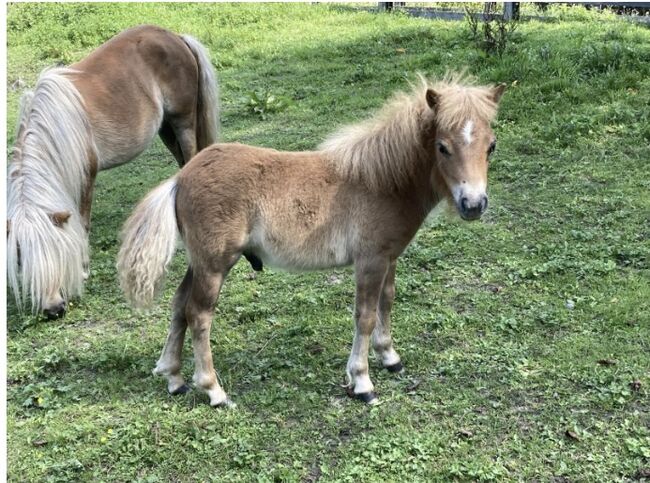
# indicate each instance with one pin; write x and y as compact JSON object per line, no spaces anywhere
{"x":383,"y":151}
{"x":47,"y":174}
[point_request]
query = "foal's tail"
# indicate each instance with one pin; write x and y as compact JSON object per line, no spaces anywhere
{"x":208,"y":102}
{"x":148,"y":245}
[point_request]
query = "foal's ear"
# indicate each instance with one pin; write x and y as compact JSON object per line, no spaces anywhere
{"x":432,"y":98}
{"x":59,"y":218}
{"x":497,"y":92}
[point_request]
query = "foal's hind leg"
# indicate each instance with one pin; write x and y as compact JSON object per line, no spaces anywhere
{"x":200,"y":308}
{"x":382,"y":342}
{"x":370,"y":276}
{"x":169,"y":364}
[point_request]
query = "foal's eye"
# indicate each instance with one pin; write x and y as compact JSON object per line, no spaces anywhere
{"x":492,"y":147}
{"x":443,"y":149}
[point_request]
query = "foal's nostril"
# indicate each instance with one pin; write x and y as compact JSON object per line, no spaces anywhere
{"x":484,"y":204}
{"x":463,"y":204}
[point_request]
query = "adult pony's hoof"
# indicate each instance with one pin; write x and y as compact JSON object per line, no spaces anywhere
{"x":225,"y":404}
{"x":369,"y":398}
{"x":395,"y":368}
{"x":184,"y":389}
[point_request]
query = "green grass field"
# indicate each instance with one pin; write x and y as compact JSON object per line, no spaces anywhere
{"x":526,"y":336}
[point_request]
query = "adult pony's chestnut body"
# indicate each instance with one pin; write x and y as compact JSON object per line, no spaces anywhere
{"x":359,"y":200}
{"x":96,"y":114}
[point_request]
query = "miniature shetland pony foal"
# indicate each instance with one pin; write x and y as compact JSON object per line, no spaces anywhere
{"x":359,"y":200}
{"x":98,"y":113}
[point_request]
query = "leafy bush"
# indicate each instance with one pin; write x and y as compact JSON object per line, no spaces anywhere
{"x":496,"y":31}
{"x":263,"y":103}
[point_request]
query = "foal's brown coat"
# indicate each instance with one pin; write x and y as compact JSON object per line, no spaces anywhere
{"x":360,"y":200}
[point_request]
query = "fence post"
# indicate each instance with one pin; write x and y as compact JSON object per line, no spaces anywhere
{"x":389,"y":6}
{"x":510,"y":10}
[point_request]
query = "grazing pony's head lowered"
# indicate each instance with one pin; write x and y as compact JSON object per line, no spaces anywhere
{"x":46,"y":239}
{"x":441,"y":128}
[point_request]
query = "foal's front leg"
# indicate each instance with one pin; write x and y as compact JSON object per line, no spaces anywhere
{"x":370,"y":275}
{"x":382,"y":342}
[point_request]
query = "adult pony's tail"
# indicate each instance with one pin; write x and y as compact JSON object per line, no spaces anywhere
{"x":148,"y":245}
{"x":207,"y":125}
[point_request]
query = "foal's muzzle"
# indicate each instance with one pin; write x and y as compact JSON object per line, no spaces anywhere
{"x":472,"y":210}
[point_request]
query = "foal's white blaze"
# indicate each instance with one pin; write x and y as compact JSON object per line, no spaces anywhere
{"x":467,"y":132}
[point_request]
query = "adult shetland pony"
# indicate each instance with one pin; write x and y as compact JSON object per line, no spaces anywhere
{"x":359,"y":200}
{"x":96,"y":114}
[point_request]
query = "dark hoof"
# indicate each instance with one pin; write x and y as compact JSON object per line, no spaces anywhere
{"x":184,"y":389}
{"x":395,"y":368}
{"x":367,"y":397}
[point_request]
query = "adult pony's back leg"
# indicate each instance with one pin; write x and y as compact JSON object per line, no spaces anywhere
{"x":169,"y":364}
{"x":166,"y":133}
{"x":178,"y":132}
{"x":191,"y":118}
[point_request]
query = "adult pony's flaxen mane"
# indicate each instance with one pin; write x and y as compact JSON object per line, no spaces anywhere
{"x":46,"y":175}
{"x":383,"y":152}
